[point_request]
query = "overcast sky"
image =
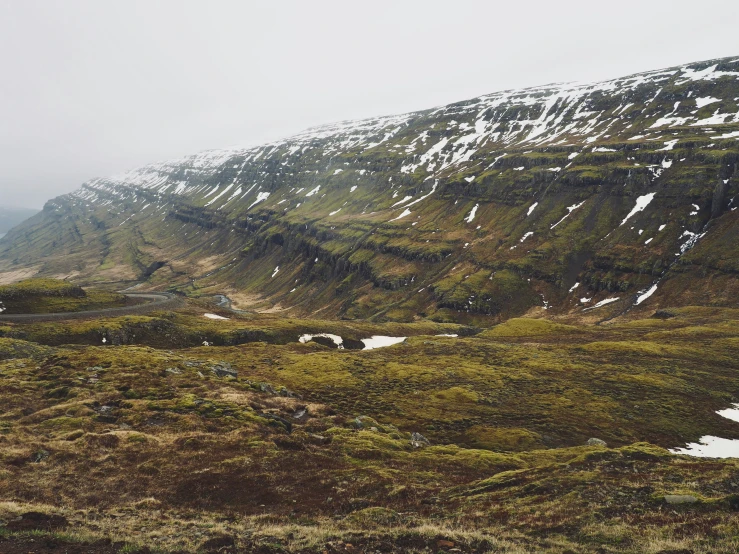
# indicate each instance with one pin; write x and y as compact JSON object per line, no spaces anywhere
{"x":94,"y":87}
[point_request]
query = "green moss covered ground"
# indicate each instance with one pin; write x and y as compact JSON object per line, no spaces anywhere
{"x":41,"y":296}
{"x":269,"y":445}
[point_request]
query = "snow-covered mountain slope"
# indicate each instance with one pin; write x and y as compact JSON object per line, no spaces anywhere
{"x":587,"y":198}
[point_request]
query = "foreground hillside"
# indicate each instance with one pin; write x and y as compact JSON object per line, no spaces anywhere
{"x":41,"y":296}
{"x":187,"y":433}
{"x":591,"y":199}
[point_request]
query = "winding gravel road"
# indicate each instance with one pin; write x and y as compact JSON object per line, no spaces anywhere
{"x":155,"y":300}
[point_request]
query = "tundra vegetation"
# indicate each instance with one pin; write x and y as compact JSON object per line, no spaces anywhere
{"x":153,"y":441}
{"x":561,"y":261}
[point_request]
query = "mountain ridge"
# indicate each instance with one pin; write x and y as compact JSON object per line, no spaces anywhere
{"x":492,"y":206}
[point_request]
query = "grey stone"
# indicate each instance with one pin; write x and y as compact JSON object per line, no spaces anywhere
{"x":418,"y":440}
{"x":680,"y":499}
{"x":224,"y":370}
{"x":596,"y":442}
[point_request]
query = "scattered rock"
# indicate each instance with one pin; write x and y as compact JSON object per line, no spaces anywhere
{"x":287,"y":393}
{"x":224,"y":369}
{"x":596,"y":442}
{"x":32,"y":521}
{"x":680,"y":499}
{"x":39,"y":456}
{"x":319,"y":439}
{"x":288,"y":426}
{"x":301,"y":414}
{"x":173,"y":370}
{"x":365,"y":422}
{"x":418,"y":440}
{"x":266,"y":387}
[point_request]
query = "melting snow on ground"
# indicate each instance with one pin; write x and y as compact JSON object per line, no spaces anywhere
{"x":214,"y":316}
{"x":531,"y":208}
{"x":260,"y":197}
{"x":688,"y":244}
{"x":606,"y":301}
{"x":647,"y":294}
{"x":378,"y":341}
{"x":399,"y":202}
{"x":471,"y":215}
{"x":670,"y":144}
{"x":570,"y":209}
{"x":277,"y":269}
{"x":375,"y":341}
{"x":641,"y":203}
{"x":401,"y":216}
{"x":709,"y":446}
{"x":700,"y":102}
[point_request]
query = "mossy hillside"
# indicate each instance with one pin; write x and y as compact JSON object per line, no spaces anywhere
{"x":355,"y":231}
{"x":190,"y":327}
{"x":157,"y":433}
{"x":13,"y":348}
{"x":550,"y":384}
{"x":53,"y":295}
{"x":527,"y":327}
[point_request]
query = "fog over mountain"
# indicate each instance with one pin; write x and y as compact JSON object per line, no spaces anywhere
{"x":105,"y":87}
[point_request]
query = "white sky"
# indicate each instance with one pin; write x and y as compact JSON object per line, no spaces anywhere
{"x":94,"y":87}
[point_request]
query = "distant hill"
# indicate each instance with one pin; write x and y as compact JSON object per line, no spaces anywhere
{"x":591,"y":199}
{"x":10,"y":217}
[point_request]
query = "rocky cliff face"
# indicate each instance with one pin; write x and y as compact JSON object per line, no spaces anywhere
{"x":585,"y":198}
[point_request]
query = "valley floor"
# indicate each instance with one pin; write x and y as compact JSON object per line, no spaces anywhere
{"x":186,"y":433}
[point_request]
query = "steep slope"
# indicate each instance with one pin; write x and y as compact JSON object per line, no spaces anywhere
{"x":586,"y":198}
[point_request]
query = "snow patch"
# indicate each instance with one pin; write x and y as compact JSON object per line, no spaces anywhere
{"x":214,"y":316}
{"x":606,"y":301}
{"x":260,"y":197}
{"x":570,"y":209}
{"x":472,"y":213}
{"x":379,"y":341}
{"x":647,"y":294}
{"x":641,"y":203}
{"x":401,"y":216}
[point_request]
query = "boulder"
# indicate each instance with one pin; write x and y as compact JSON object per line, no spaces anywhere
{"x":224,"y":369}
{"x":418,"y":440}
{"x":596,"y":442}
{"x":680,"y":499}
